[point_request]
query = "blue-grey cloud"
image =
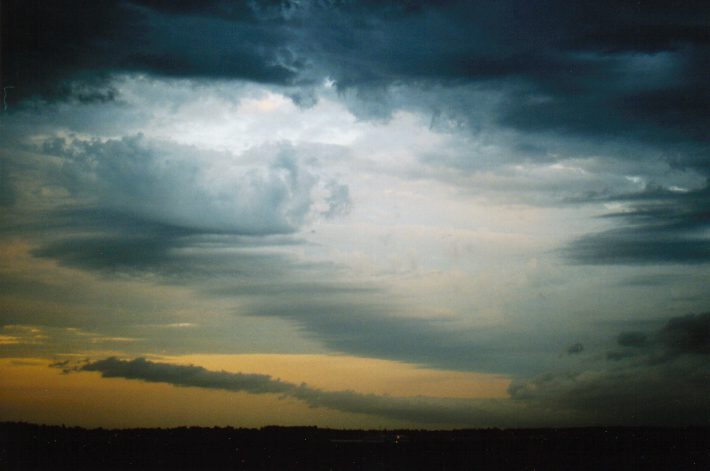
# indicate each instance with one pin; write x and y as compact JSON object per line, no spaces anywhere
{"x":181,"y":375}
{"x":7,"y":190}
{"x":632,"y":339}
{"x":380,"y":327}
{"x":139,"y":206}
{"x":172,"y":257}
{"x":600,"y":71}
{"x":575,"y":349}
{"x":687,"y":335}
{"x":71,"y":48}
{"x":623,"y":392}
{"x":657,"y":378}
{"x":622,"y":247}
{"x":661,"y":226}
{"x":577,"y":59}
{"x":185,"y":187}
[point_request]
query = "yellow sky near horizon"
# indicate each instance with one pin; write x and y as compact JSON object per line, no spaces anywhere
{"x":34,"y":392}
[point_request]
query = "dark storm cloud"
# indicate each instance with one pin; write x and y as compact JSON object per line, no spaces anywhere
{"x":631,"y":246}
{"x":687,"y":335}
{"x":661,"y":226}
{"x":656,"y":378}
{"x":70,"y":48}
{"x":356,"y":43}
{"x":626,"y":392}
{"x":583,"y":75}
{"x":623,"y":80}
{"x":601,"y":69}
{"x":414,"y":409}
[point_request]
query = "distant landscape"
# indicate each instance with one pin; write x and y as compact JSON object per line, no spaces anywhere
{"x":26,"y":446}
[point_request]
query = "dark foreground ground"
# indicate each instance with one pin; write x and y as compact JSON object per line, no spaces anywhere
{"x":26,"y":447}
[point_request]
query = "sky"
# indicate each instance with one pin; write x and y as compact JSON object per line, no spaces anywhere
{"x":355,"y":214}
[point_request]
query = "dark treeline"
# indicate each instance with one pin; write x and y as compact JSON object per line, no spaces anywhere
{"x":28,"y":447}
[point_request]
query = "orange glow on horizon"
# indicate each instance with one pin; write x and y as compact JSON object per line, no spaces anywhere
{"x":34,"y":392}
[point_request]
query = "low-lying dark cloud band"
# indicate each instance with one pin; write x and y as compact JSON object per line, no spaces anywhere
{"x":408,"y":409}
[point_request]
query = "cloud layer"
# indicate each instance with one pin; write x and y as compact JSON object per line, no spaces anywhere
{"x":509,"y":187}
{"x":650,"y":379}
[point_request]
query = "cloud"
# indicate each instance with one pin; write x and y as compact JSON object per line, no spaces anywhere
{"x":55,"y":52}
{"x":562,"y":70}
{"x":338,"y":200}
{"x":140,"y":368}
{"x":625,"y":394}
{"x":598,"y":72}
{"x":173,"y":255}
{"x":318,"y":300}
{"x":145,"y":205}
{"x":138,"y":205}
{"x":425,"y":410}
{"x":575,"y":349}
{"x":621,"y":247}
{"x":687,"y":335}
{"x":662,"y":226}
{"x":661,"y":378}
{"x":632,"y":339}
{"x":381,"y":326}
{"x":227,"y":226}
{"x":185,"y":187}
{"x":7,"y":191}
{"x":570,"y":67}
{"x":663,"y":381}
